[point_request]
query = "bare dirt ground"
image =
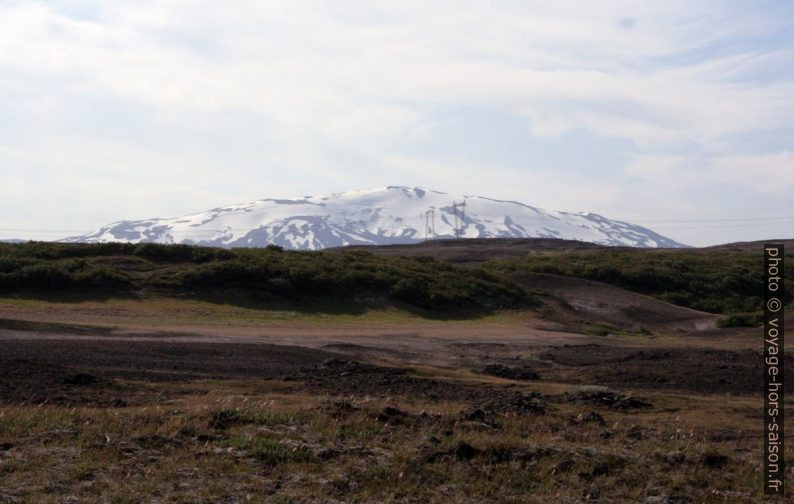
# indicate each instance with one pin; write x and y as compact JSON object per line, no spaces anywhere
{"x":576,"y":300}
{"x":603,"y":395}
{"x":641,"y":342}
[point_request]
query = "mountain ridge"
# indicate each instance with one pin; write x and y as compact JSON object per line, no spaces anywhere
{"x":380,"y":216}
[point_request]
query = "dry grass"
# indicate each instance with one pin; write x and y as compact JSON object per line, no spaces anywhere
{"x":246,"y":440}
{"x":255,"y":442}
{"x":159,"y":312}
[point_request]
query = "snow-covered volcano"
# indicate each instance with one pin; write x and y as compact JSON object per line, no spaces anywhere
{"x":380,"y":216}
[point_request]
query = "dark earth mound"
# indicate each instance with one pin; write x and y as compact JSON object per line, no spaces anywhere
{"x":688,"y":369}
{"x":513,"y":373}
{"x":109,"y":372}
{"x":87,"y":371}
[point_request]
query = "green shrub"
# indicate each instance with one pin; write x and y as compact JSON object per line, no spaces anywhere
{"x":348,"y":274}
{"x":723,"y":282}
{"x":61,"y":275}
{"x":754,"y":319}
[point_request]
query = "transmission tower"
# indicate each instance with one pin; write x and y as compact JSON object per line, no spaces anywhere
{"x":459,"y":221}
{"x":430,"y":222}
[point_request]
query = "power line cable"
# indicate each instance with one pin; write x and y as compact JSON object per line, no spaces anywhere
{"x":727,"y":226}
{"x":743,"y":219}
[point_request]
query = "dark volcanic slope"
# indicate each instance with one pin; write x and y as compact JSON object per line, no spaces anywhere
{"x":101,"y":372}
{"x":575,"y":300}
{"x":51,"y":370}
{"x":472,"y":250}
{"x":699,"y":370}
{"x":751,"y":245}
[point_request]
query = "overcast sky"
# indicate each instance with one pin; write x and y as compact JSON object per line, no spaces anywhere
{"x":675,"y":115}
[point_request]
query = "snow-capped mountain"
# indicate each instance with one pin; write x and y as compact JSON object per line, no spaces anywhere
{"x":374,"y":217}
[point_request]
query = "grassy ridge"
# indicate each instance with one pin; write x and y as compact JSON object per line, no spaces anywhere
{"x":724,"y":282}
{"x":123,"y":268}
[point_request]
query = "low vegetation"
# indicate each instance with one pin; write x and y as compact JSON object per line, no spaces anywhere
{"x":723,"y":282}
{"x":35,"y":268}
{"x":305,"y":448}
{"x":395,"y":440}
{"x":114,"y":413}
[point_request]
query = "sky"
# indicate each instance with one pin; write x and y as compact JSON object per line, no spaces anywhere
{"x":674,"y":115}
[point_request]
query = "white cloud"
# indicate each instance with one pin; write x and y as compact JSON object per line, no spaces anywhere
{"x":758,"y":173}
{"x":766,"y":173}
{"x":303,"y":65}
{"x":324,"y":93}
{"x":655,"y":167}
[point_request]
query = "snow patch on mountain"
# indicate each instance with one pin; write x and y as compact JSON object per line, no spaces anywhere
{"x":388,"y":215}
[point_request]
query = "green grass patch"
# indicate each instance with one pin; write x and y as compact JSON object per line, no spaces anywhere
{"x":606,"y":329}
{"x":269,"y":450}
{"x":228,"y":417}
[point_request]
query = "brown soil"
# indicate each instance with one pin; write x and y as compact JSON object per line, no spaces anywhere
{"x":84,"y":371}
{"x":73,"y":371}
{"x":41,"y":350}
{"x":692,"y":369}
{"x":574,"y":300}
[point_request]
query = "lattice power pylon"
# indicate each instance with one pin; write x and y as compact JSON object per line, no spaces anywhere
{"x":430,"y":222}
{"x":459,"y":221}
